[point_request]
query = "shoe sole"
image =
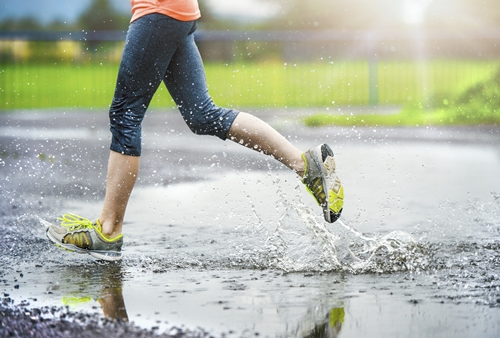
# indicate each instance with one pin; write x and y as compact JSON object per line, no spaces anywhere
{"x":72,"y":248}
{"x":320,"y":157}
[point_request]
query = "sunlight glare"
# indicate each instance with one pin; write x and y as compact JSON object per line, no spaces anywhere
{"x":414,"y":11}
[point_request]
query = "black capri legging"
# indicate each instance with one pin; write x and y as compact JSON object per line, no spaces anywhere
{"x":160,"y":48}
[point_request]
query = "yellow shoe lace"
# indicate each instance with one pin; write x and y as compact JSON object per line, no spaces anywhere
{"x":75,"y":301}
{"x":74,"y":222}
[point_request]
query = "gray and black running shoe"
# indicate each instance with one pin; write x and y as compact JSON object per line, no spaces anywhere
{"x":322,"y":182}
{"x":80,"y":235}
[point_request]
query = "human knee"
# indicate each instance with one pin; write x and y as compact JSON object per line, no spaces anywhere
{"x":209,"y":120}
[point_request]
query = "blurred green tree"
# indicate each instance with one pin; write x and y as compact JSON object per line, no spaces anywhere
{"x":22,"y":24}
{"x":386,"y":14}
{"x":336,"y":14}
{"x":209,"y":21}
{"x":101,"y":16}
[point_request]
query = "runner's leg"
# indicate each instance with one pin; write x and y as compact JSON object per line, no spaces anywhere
{"x":121,"y":177}
{"x":186,"y":83}
{"x":151,"y":42}
{"x":256,"y":134}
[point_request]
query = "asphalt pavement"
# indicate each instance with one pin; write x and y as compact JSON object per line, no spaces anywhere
{"x":236,"y":247}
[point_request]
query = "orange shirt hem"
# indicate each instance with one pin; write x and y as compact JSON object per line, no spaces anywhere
{"x":174,"y":10}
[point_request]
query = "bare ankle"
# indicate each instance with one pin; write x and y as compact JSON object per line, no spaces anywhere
{"x":299,"y":167}
{"x":110,"y":229}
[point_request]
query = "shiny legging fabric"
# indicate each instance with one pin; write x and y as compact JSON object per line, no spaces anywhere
{"x":159,"y":48}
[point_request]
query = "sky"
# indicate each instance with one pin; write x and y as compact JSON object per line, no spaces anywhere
{"x":46,"y":10}
{"x":64,"y":10}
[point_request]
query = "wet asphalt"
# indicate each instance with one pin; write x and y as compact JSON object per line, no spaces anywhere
{"x":50,"y":160}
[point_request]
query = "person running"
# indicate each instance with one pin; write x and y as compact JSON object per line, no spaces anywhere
{"x":160,"y":47}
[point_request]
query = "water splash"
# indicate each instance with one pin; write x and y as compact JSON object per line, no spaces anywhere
{"x":301,"y":242}
{"x":304,"y":245}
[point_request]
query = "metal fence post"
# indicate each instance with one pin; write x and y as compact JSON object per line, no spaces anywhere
{"x":373,"y":80}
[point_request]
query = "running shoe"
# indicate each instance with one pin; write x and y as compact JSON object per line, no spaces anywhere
{"x":322,"y":182}
{"x":80,"y":235}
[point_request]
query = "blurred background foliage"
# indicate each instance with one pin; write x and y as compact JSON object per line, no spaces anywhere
{"x":461,"y":15}
{"x":437,"y":56}
{"x":101,"y":15}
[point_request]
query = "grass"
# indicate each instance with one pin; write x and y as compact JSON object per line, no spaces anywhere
{"x":263,"y":85}
{"x":54,"y":86}
{"x":288,"y":85}
{"x":478,"y":104}
{"x":408,"y":117}
{"x":239,"y":85}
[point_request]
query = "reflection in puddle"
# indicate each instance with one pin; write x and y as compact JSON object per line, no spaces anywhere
{"x":330,"y":327}
{"x":103,"y":282}
{"x":248,"y":302}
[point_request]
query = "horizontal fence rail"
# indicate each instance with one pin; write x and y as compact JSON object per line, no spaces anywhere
{"x":394,"y":44}
{"x":256,"y":68}
{"x":260,"y":35}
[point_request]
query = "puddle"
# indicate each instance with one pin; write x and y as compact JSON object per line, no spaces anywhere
{"x":274,"y":268}
{"x":245,"y":252}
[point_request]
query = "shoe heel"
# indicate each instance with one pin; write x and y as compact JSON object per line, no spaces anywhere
{"x":326,"y":151}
